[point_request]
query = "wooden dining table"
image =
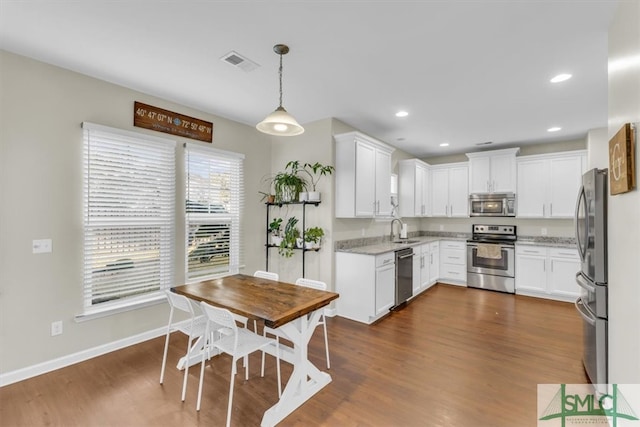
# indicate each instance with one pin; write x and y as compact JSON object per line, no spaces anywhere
{"x":294,"y":309}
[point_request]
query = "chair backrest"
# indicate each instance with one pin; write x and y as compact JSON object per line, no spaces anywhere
{"x":266,"y":275}
{"x":309,"y":283}
{"x":180,"y":302}
{"x":219,"y":316}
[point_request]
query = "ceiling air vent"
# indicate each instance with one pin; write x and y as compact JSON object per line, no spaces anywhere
{"x":239,"y":61}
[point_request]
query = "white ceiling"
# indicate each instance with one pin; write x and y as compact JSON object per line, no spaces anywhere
{"x":466,"y":71}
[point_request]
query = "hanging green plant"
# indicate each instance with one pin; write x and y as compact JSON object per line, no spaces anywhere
{"x":291,"y":233}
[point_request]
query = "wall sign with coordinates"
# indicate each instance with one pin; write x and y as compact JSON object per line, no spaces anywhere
{"x":622,"y":171}
{"x":158,"y":119}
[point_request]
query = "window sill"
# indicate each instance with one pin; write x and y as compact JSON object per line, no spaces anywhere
{"x":96,"y":313}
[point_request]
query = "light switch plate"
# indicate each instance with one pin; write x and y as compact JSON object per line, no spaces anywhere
{"x":56,"y":328}
{"x":42,"y":246}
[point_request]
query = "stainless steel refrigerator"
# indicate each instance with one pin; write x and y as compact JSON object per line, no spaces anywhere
{"x":591,"y":237}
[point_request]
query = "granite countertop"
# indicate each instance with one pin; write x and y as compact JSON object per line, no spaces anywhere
{"x":381,"y":245}
{"x":554,"y":242}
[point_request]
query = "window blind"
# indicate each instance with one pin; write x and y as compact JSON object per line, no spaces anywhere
{"x":129,"y":215}
{"x":214,"y":198}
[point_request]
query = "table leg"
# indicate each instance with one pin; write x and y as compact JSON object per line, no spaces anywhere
{"x":306,"y":380}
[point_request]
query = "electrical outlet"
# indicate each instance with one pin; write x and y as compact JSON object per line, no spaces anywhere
{"x":441,"y":227}
{"x":42,"y":246}
{"x":543,"y":231}
{"x":363,"y":233}
{"x":56,"y":328}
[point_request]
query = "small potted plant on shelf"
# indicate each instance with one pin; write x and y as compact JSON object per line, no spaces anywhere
{"x":288,"y":184}
{"x":315,"y":172}
{"x":312,"y":237}
{"x":291,"y":234}
{"x":275,"y":228}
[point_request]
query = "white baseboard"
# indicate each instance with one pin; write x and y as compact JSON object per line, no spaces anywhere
{"x":330,"y":312}
{"x":70,"y":359}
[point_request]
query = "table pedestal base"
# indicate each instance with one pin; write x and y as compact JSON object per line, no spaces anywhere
{"x":306,"y":380}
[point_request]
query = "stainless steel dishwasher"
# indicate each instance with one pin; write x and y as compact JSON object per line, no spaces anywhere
{"x":404,"y":276}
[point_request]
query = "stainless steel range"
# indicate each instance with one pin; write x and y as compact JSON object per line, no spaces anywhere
{"x":491,"y":258}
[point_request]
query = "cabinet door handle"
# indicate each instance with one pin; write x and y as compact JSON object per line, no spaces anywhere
{"x":550,"y":209}
{"x":544,"y":266}
{"x":552,"y":266}
{"x":566,"y":254}
{"x":543,"y":210}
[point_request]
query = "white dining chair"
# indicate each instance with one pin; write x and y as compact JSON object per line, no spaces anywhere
{"x":239,"y":343}
{"x":266,"y":275}
{"x":193,"y":328}
{"x":321,"y":286}
{"x":309,"y":283}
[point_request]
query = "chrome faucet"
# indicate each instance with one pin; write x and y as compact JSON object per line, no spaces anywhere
{"x":391,"y":236}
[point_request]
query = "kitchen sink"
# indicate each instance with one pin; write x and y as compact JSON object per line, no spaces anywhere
{"x":405,"y":241}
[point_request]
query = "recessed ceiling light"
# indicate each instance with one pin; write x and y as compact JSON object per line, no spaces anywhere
{"x":554,"y":129}
{"x":560,"y":78}
{"x":402,"y":114}
{"x":444,"y":144}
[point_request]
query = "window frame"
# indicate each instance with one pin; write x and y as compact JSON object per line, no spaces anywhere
{"x":159,"y":212}
{"x":231,"y":215}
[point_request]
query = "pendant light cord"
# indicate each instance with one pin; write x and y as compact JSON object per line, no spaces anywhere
{"x":280,"y":72}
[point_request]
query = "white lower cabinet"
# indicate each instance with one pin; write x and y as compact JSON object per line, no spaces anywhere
{"x":434,"y":262}
{"x":453,"y":262}
{"x":366,"y":284}
{"x":425,"y":274}
{"x":547,"y":272}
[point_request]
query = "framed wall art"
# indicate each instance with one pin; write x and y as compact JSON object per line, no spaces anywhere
{"x":622,"y":171}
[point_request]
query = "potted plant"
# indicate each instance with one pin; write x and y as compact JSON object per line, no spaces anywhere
{"x":275,"y":231}
{"x":268,"y":198}
{"x":312,"y":237}
{"x":315,"y":172}
{"x":288,"y":184}
{"x":291,"y":234}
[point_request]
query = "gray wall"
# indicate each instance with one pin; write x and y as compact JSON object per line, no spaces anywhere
{"x":41,"y":109}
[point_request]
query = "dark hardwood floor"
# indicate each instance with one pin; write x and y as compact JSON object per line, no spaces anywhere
{"x":453,"y":357}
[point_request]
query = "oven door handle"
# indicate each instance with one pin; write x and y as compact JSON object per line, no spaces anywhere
{"x":406,"y":256}
{"x":584,"y":312}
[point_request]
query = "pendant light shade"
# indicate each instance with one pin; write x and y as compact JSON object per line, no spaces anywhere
{"x":280,"y":122}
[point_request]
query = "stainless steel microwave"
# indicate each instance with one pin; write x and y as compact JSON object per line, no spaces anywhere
{"x":497,"y":204}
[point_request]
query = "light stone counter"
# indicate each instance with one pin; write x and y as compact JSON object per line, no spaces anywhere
{"x":381,"y":245}
{"x":554,"y":242}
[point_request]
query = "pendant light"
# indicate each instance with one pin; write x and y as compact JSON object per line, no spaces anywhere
{"x":280,"y":122}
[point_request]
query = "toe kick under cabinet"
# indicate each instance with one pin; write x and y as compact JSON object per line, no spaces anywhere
{"x":366,"y":284}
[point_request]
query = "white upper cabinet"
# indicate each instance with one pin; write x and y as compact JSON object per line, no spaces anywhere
{"x":493,"y":171}
{"x":413,"y":188}
{"x":548,"y":184}
{"x":363,"y":176}
{"x":449,"y":190}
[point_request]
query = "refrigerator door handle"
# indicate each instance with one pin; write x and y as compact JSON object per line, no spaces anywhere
{"x":581,"y":245}
{"x":584,"y":284}
{"x":584,"y":312}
